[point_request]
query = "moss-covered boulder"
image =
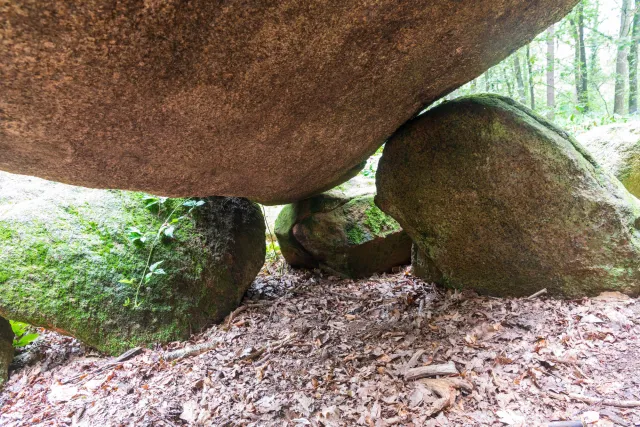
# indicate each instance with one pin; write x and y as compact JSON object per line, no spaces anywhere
{"x":499,"y":200}
{"x":617,"y":148}
{"x":6,"y":349}
{"x":85,"y":262}
{"x":342,"y":232}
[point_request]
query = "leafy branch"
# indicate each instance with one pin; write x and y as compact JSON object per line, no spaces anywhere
{"x":167,"y":229}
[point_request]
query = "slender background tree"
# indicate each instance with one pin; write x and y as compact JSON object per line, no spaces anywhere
{"x":551,"y":76}
{"x":622,"y":58}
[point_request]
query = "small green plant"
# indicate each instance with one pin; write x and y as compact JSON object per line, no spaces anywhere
{"x":273,"y":248}
{"x":371,"y":167}
{"x":23,"y":337}
{"x":166,"y":230}
{"x":153,"y":203}
{"x":136,"y":236}
{"x":369,"y":172}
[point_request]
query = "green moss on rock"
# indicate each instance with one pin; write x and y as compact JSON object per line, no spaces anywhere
{"x":65,"y":250}
{"x":355,"y":235}
{"x":379,"y":222}
{"x":342,"y":232}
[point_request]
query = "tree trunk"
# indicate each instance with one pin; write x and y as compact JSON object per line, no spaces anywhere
{"x":583,"y":89}
{"x":580,"y":59}
{"x":522,"y":95}
{"x":576,"y":59}
{"x":633,"y":62}
{"x":622,"y":64}
{"x":593,"y":40}
{"x":507,"y":81}
{"x":551,"y":59}
{"x":532,"y":93}
{"x":487,"y":81}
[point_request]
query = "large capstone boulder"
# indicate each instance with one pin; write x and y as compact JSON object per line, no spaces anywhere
{"x":617,"y":148}
{"x":273,"y":101}
{"x":6,"y":349}
{"x":499,"y":200}
{"x":342,"y":232}
{"x":120,"y":269}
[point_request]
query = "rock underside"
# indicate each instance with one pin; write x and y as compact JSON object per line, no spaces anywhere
{"x":67,"y":252}
{"x":273,"y":101}
{"x":499,"y":200}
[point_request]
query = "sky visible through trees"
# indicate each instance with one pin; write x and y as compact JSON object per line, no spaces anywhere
{"x":581,"y":72}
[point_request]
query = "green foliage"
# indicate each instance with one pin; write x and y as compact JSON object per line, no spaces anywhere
{"x":368,"y":171}
{"x":154,"y":203}
{"x":273,"y":249}
{"x":371,"y":167}
{"x":23,"y":334}
{"x":577,"y":123}
{"x":136,"y":236}
{"x":576,"y":113}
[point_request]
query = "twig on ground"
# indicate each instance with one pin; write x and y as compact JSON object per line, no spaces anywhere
{"x":606,"y":402}
{"x":343,"y":296}
{"x":234,"y":313}
{"x":192,"y":350}
{"x":565,"y":424}
{"x":445,"y":389}
{"x":123,"y":357}
{"x":264,"y":351}
{"x":537,"y":294}
{"x":430,"y":371}
{"x":128,"y":355}
{"x":241,"y":310}
{"x":596,"y":400}
{"x":278,"y":346}
{"x":414,"y":359}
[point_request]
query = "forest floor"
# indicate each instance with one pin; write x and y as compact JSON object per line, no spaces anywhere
{"x":311,"y":350}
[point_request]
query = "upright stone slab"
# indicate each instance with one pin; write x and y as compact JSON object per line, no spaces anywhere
{"x":271,"y":100}
{"x":617,"y":148}
{"x":342,"y":232}
{"x":499,"y":200}
{"x":72,"y":260}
